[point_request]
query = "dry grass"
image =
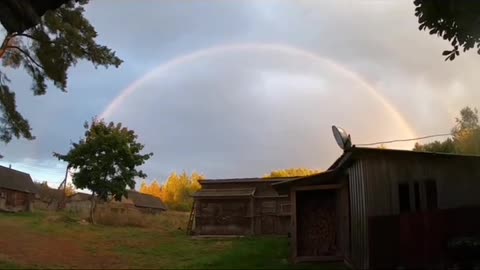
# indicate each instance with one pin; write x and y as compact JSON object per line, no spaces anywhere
{"x":171,"y":219}
{"x":131,"y":217}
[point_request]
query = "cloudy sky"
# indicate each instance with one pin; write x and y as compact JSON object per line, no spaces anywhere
{"x":240,"y":88}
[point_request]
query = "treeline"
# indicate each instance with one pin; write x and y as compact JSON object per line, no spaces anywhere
{"x":176,"y":191}
{"x":465,"y":137}
{"x":292,"y":172}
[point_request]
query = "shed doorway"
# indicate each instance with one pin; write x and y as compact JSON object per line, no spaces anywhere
{"x":317,"y":223}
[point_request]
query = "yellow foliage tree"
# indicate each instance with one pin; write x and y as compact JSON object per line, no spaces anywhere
{"x":70,"y":189}
{"x":292,"y":172}
{"x":176,"y":191}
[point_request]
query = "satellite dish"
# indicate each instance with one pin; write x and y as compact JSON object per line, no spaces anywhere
{"x":342,"y":137}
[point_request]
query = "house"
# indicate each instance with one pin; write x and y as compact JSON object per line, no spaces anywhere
{"x":17,"y":191}
{"x":240,"y":207}
{"x":80,"y":203}
{"x":383,"y":209}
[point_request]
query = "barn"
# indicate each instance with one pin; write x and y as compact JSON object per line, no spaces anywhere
{"x":248,"y":206}
{"x":17,"y":191}
{"x":383,"y":209}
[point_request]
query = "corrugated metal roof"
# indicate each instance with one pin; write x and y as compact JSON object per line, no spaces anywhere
{"x":231,"y":192}
{"x":327,"y":177}
{"x":16,"y":180}
{"x":245,"y":180}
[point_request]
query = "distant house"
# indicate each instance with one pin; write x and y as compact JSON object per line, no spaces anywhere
{"x":384,"y":209}
{"x":17,"y":191}
{"x":144,"y":203}
{"x":241,"y":207}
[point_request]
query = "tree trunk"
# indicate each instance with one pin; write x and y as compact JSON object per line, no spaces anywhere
{"x":93,"y":206}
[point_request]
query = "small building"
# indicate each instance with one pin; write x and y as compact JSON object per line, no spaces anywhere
{"x":80,"y":203}
{"x":383,"y":209}
{"x":146,"y":203}
{"x":241,"y":207}
{"x":17,"y":191}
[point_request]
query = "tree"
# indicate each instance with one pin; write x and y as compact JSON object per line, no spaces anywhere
{"x":177,"y":191}
{"x":45,"y":38}
{"x":465,"y":136}
{"x":457,"y":21}
{"x":292,"y":172}
{"x":105,"y":161}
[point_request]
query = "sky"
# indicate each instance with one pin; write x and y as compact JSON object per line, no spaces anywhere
{"x":240,"y":88}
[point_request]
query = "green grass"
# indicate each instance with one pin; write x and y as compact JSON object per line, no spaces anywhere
{"x":8,"y":265}
{"x":160,"y":246}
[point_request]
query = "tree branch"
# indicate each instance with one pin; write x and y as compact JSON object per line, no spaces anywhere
{"x":3,"y":48}
{"x":26,"y":54}
{"x":30,"y":37}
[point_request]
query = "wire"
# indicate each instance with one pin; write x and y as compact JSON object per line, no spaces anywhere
{"x":406,"y":140}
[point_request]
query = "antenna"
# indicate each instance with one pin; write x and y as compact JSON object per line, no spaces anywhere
{"x":342,"y":137}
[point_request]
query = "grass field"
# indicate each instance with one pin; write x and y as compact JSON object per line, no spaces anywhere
{"x":46,"y":240}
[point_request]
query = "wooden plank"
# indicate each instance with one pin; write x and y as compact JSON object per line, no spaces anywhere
{"x":293,"y":228}
{"x":318,"y":187}
{"x":252,"y":216}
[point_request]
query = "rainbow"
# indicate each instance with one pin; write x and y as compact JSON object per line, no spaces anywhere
{"x":257,"y":47}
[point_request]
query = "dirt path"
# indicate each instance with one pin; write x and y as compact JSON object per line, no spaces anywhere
{"x":34,"y":249}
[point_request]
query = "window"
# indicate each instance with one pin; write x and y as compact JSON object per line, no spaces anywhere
{"x":404,"y":197}
{"x":423,"y":199}
{"x":431,"y":194}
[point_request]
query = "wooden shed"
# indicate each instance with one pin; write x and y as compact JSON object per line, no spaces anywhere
{"x":241,"y":207}
{"x":17,"y":191}
{"x":382,"y":209}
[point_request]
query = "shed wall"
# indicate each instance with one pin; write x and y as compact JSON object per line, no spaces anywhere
{"x":223,"y":217}
{"x":358,"y":215}
{"x":456,"y":181}
{"x":16,"y":200}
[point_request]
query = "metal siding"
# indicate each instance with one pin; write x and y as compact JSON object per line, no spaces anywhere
{"x":358,"y":201}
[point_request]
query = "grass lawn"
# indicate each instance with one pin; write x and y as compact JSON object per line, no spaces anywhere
{"x":46,"y":240}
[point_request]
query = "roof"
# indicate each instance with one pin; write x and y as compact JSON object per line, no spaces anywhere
{"x":245,"y":180}
{"x":331,"y":175}
{"x":145,"y":200}
{"x":231,"y":192}
{"x":81,"y":196}
{"x":323,"y":178}
{"x":16,"y":180}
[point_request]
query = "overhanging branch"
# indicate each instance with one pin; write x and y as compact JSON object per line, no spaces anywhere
{"x":26,"y":54}
{"x":31,"y":37}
